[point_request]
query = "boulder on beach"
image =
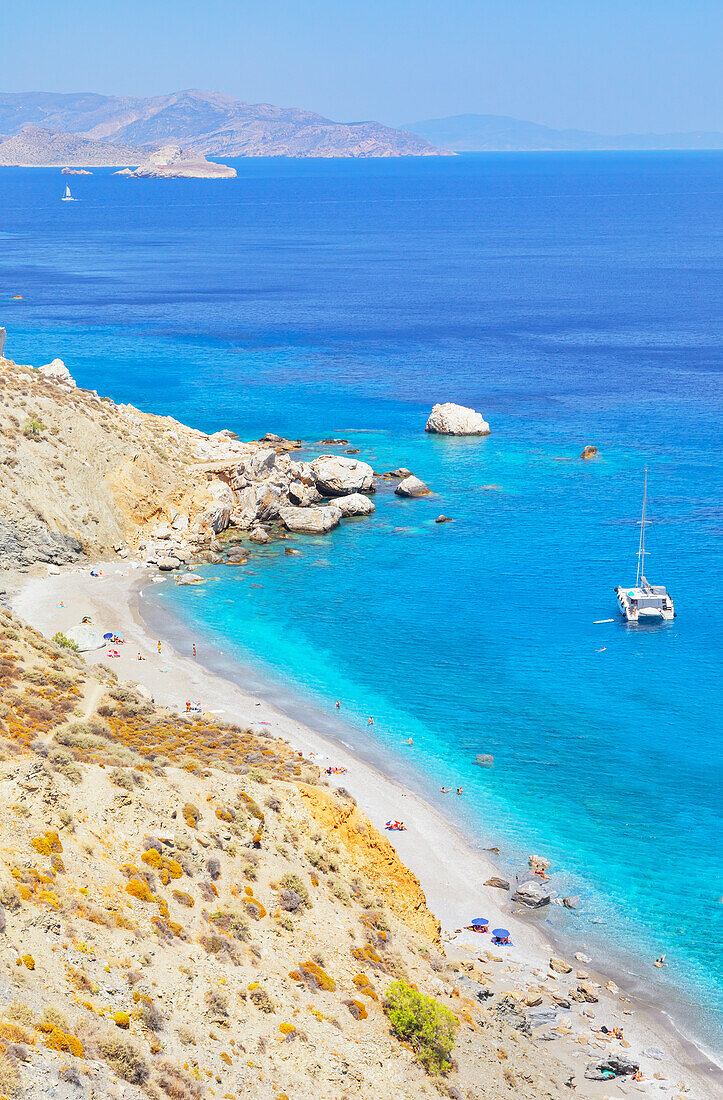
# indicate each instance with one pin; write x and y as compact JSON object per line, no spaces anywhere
{"x":356,"y":504}
{"x":310,"y":521}
{"x":498,"y":883}
{"x":451,"y":419}
{"x":168,"y":563}
{"x":258,"y":534}
{"x":620,"y":1065}
{"x":589,"y":452}
{"x":303,"y":494}
{"x":56,"y":371}
{"x":560,"y":966}
{"x":337,"y":476}
{"x":85,"y":637}
{"x":532,"y":894}
{"x":412,"y":487}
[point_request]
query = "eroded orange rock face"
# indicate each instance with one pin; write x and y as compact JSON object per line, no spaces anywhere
{"x":370,"y":854}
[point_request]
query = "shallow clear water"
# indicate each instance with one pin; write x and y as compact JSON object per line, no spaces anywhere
{"x":573,"y":300}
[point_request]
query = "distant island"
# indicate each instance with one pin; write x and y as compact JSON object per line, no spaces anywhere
{"x":499,"y":133}
{"x":170,"y":162}
{"x":36,"y":128}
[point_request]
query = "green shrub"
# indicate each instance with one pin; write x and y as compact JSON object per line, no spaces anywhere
{"x":33,"y":429}
{"x":66,"y":643}
{"x":428,"y":1026}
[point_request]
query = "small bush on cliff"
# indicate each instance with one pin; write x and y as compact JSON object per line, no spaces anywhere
{"x":67,"y":643}
{"x":33,"y":429}
{"x":428,"y":1026}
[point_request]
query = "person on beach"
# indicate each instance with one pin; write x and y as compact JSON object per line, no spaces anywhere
{"x":371,"y":722}
{"x":140,"y":657}
{"x":158,"y":646}
{"x":194,"y":649}
{"x":337,"y":704}
{"x":660,"y":962}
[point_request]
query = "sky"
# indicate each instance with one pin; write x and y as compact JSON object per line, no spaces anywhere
{"x":606,"y":65}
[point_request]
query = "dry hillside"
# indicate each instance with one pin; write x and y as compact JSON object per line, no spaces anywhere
{"x":190,"y":910}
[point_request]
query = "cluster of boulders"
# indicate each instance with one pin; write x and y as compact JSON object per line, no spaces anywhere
{"x":257,"y":490}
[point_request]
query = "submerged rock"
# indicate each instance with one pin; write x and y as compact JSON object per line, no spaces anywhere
{"x":190,"y":578}
{"x":571,"y":903}
{"x":310,"y":521}
{"x":443,"y":519}
{"x":589,"y":452}
{"x":412,"y":487}
{"x":451,"y":419}
{"x":336,"y":475}
{"x":484,"y":759}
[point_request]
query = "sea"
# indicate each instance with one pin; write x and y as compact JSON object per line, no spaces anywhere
{"x":572,"y":299}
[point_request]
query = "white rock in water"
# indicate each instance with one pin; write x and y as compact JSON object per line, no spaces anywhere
{"x":412,"y":487}
{"x":337,"y":475}
{"x":451,"y":419}
{"x":310,"y":521}
{"x":56,"y":371}
{"x":356,"y":504}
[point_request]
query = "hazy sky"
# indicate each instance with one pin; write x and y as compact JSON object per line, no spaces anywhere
{"x":610,"y":65}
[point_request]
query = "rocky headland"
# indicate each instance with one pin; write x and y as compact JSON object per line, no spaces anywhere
{"x":82,"y":475}
{"x":171,"y":162}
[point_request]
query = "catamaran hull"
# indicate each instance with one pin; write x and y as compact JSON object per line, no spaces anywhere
{"x":650,"y":615}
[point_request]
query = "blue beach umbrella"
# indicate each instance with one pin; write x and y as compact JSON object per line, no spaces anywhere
{"x":500,"y":933}
{"x":107,"y":637}
{"x":480,"y":922}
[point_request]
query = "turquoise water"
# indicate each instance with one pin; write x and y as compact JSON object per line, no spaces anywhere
{"x":573,"y":300}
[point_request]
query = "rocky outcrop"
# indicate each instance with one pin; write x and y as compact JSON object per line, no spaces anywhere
{"x":56,"y":371}
{"x":619,"y":1065}
{"x":412,"y":487}
{"x":589,"y":452}
{"x":171,"y":162}
{"x":532,"y":894}
{"x":337,"y":476}
{"x":356,"y":504}
{"x":451,"y":419}
{"x":310,"y":521}
{"x":25,"y":542}
{"x":370,"y":854}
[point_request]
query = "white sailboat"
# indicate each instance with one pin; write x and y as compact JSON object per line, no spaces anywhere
{"x":67,"y":197}
{"x":645,"y":602}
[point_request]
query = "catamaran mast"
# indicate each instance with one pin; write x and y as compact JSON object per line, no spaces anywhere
{"x":641,"y":546}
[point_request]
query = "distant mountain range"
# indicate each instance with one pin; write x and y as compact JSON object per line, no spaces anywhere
{"x":204,"y":123}
{"x":490,"y":133}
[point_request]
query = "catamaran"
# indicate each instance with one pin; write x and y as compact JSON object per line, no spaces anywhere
{"x":645,"y":602}
{"x":67,"y":197}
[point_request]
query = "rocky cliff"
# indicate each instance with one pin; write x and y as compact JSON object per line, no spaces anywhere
{"x":80,"y":474}
{"x":188,"y":910}
{"x":35,"y":147}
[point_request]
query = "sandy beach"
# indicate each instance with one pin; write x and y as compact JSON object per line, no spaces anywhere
{"x":452,"y":872}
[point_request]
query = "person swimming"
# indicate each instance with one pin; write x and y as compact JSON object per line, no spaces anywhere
{"x":445,"y":790}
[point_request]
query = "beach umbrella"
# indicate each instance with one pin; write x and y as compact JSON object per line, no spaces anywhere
{"x":107,"y":637}
{"x":480,"y":922}
{"x":500,"y":933}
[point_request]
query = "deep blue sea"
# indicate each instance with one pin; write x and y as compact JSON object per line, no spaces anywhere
{"x":572,"y":299}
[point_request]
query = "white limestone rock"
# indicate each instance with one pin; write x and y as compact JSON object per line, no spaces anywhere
{"x":337,"y":475}
{"x":412,"y":487}
{"x":356,"y":504}
{"x":310,"y":521}
{"x":451,"y":419}
{"x":56,"y":371}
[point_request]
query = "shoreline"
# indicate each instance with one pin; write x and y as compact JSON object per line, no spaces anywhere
{"x":453,"y":887}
